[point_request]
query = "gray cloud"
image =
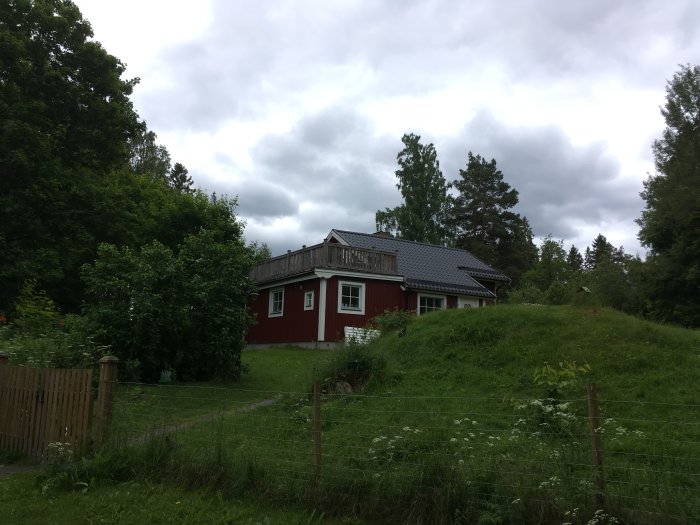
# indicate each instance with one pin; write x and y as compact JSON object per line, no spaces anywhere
{"x":257,"y":53}
{"x":330,"y":158}
{"x":333,"y":170}
{"x":560,"y":185}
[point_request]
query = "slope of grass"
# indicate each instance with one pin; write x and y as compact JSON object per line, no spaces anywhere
{"x":456,"y":430}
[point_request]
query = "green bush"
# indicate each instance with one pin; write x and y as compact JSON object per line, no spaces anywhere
{"x":41,"y":337}
{"x":356,"y":365}
{"x":393,"y":320}
{"x":527,"y":294}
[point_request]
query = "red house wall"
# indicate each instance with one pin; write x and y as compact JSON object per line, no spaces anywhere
{"x":295,"y":325}
{"x":379,"y":296}
{"x":299,"y":325}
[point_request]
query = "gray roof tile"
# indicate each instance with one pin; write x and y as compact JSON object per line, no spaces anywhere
{"x":429,"y":266}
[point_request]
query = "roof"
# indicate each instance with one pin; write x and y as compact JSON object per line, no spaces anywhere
{"x":430,"y":267}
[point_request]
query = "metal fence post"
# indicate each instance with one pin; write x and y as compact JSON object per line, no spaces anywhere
{"x":105,"y":396}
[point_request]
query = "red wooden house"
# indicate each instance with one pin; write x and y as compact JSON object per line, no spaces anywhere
{"x":311,"y":295}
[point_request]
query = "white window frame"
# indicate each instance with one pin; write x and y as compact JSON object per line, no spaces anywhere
{"x":309,"y":300}
{"x":270,"y":311}
{"x":354,"y":311}
{"x":430,"y":296}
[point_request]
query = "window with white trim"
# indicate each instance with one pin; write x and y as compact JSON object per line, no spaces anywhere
{"x":351,"y":297}
{"x":276,"y":302}
{"x":430,"y":303}
{"x":309,"y":300}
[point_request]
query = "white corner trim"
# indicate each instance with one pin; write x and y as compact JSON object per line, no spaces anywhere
{"x":335,"y":234}
{"x":321,"y":335}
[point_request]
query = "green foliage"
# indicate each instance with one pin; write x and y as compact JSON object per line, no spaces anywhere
{"x":179,"y":179}
{"x":394,"y":320}
{"x":438,"y":440}
{"x":670,"y":224}
{"x":483,"y":221}
{"x":356,"y":365}
{"x":66,"y":119}
{"x":148,"y":157}
{"x":551,"y":266}
{"x":77,"y":167}
{"x":181,"y":310}
{"x":562,"y":380}
{"x":614,"y":278}
{"x":41,"y":337}
{"x":527,"y":294}
{"x":558,"y":293}
{"x":34,"y":310}
{"x":423,"y":214}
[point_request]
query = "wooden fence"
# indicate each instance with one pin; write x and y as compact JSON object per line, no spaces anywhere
{"x":39,"y":406}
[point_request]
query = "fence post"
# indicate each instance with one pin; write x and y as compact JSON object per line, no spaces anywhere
{"x":596,"y":442}
{"x":317,"y":432}
{"x":105,"y":396}
{"x":3,"y":358}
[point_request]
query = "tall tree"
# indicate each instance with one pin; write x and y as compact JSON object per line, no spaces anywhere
{"x":574,"y":260}
{"x":551,"y":266}
{"x":66,"y":122}
{"x":179,"y":179}
{"x":483,"y":220}
{"x":670,"y":223}
{"x":600,"y":251}
{"x":148,"y":157}
{"x":423,"y":214}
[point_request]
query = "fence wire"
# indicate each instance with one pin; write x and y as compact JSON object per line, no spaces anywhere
{"x":521,"y":453}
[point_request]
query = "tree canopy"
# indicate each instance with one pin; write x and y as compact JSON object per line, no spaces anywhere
{"x":483,"y":220}
{"x":422,"y":216}
{"x":66,"y":123}
{"x":86,"y":185}
{"x":670,"y":223}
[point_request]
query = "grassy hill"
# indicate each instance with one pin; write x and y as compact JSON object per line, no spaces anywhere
{"x":494,"y":351}
{"x":480,"y":366}
{"x":472,"y":416}
{"x":456,"y":426}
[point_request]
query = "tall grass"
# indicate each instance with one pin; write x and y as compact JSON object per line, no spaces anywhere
{"x":464,"y":424}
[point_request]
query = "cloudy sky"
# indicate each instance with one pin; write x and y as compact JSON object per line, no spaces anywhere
{"x":298,"y":107}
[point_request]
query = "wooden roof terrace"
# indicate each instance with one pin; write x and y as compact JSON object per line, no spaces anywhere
{"x":326,"y":255}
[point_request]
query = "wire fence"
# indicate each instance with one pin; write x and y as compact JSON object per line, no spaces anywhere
{"x":516,"y":455}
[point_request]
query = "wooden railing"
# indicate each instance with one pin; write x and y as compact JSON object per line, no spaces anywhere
{"x":335,"y":256}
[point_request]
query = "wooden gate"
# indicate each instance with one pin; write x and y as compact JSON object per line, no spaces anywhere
{"x":39,"y":406}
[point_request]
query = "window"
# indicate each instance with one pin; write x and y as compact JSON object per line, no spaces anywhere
{"x":351,"y":298}
{"x":276,"y":302}
{"x":430,"y":303}
{"x":309,"y":300}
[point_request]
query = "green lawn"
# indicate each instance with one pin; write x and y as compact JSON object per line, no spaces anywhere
{"x":137,"y":503}
{"x":453,"y":430}
{"x":273,"y":372}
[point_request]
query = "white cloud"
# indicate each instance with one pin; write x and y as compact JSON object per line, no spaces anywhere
{"x":298,"y":107}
